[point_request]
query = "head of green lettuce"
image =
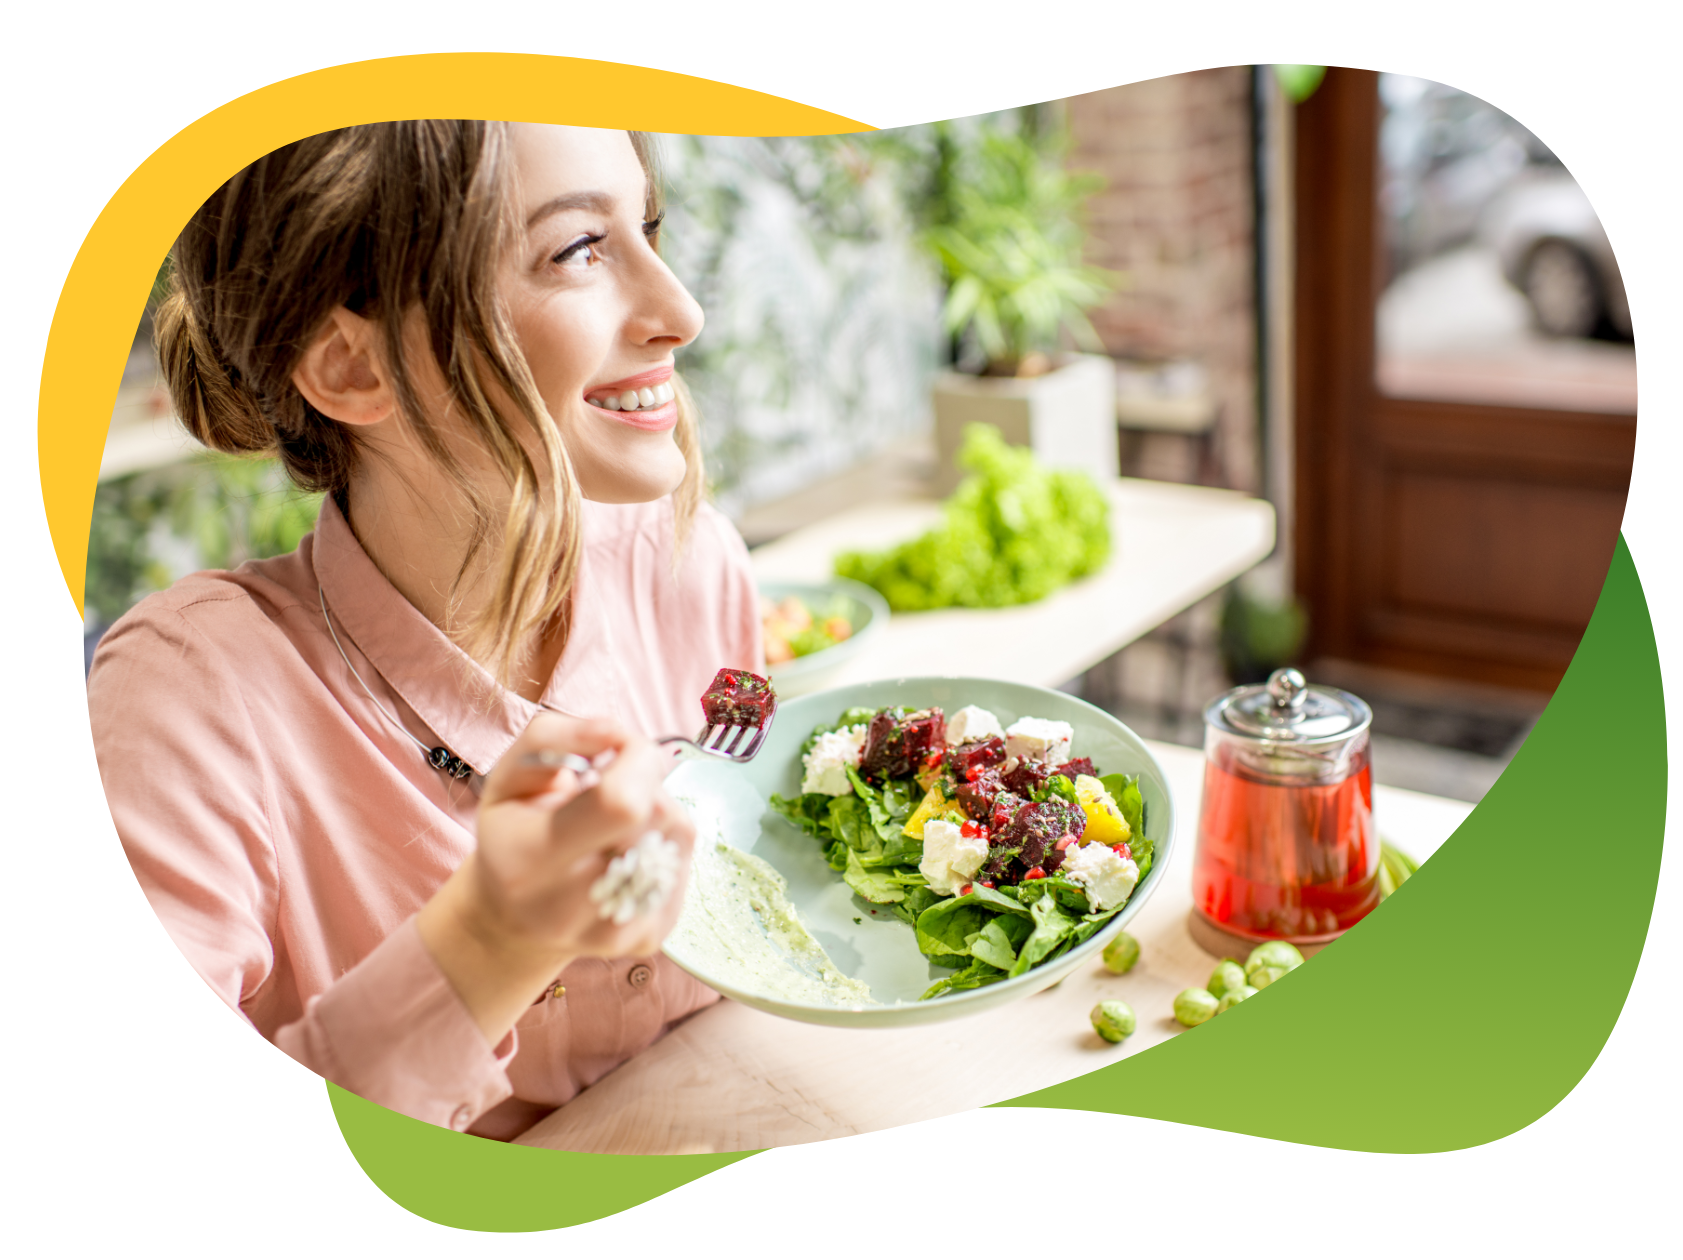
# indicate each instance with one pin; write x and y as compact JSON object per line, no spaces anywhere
{"x":1013,"y":532}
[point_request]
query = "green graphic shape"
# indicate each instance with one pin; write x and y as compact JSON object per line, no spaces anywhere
{"x":473,"y":1183}
{"x":1475,"y":998}
{"x":1437,"y":1025}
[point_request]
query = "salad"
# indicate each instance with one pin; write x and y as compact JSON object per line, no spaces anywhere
{"x":997,"y":849}
{"x":793,"y":630}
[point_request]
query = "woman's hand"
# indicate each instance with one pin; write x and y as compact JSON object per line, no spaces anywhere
{"x":519,"y":909}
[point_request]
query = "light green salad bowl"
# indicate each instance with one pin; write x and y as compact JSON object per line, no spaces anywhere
{"x":731,"y":802}
{"x":865,"y":609}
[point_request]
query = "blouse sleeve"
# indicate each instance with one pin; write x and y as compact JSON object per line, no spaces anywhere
{"x":191,"y":794}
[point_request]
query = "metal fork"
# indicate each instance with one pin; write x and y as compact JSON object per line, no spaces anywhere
{"x":722,"y":741}
{"x":713,"y":741}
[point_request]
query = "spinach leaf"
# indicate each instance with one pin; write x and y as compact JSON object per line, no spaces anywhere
{"x":836,"y":855}
{"x":993,"y":945}
{"x":850,"y":822}
{"x":917,"y":901}
{"x":945,"y":927}
{"x":1124,"y":789}
{"x":1052,"y":927}
{"x":974,"y":976}
{"x":900,"y":797}
{"x":1066,"y":892}
{"x":871,"y":885}
{"x":808,"y":812}
{"x":882,"y":821}
{"x":950,"y":923}
{"x":1059,"y":786}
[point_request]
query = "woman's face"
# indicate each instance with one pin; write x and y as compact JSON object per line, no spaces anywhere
{"x":597,"y":312}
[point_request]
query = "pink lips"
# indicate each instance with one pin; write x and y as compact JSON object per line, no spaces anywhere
{"x":650,"y":420}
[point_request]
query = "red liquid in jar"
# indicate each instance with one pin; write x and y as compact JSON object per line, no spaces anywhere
{"x":1298,"y":862}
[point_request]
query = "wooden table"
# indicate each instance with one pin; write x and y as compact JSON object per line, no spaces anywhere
{"x":732,"y":1078}
{"x":1174,"y":545}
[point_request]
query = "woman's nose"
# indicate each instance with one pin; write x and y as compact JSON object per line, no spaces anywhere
{"x":663,"y":308}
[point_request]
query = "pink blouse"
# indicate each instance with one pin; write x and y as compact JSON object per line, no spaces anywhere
{"x":286,"y":832}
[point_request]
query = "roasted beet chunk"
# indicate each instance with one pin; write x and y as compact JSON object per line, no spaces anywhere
{"x":738,"y":698}
{"x":1030,"y":838}
{"x":1026,"y":777}
{"x":976,"y":796}
{"x":897,"y":742}
{"x":1079,"y":766}
{"x":978,"y":755}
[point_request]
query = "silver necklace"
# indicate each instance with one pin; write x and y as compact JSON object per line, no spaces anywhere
{"x":439,"y":758}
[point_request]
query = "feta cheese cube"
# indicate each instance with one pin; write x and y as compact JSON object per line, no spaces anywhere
{"x":1039,"y":739}
{"x":827,"y":761}
{"x":1105,"y":875}
{"x":950,"y":858}
{"x":970,"y":724}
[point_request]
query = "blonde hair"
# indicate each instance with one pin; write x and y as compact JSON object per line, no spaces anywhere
{"x":384,"y":219}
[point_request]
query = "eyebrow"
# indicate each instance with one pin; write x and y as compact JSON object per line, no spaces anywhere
{"x":597,"y":202}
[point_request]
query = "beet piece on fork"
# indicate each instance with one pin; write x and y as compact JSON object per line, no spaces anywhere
{"x":739,"y":707}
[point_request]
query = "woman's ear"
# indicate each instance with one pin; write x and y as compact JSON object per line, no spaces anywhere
{"x":343,"y":375}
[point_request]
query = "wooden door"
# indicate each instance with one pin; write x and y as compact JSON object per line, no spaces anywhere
{"x":1457,"y":539}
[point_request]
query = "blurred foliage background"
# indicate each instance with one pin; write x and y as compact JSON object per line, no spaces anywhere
{"x":814,"y":261}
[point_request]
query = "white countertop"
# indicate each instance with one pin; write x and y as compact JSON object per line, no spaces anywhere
{"x":732,"y":1078}
{"x":1175,"y":544}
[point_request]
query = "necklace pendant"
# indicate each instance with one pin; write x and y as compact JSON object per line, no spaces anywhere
{"x":441,"y":758}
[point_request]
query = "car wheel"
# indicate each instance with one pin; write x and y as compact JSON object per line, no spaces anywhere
{"x":1561,"y":287}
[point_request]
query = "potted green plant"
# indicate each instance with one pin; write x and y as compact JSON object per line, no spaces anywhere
{"x":1009,"y":243}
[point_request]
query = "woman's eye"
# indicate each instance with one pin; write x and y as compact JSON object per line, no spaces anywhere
{"x":651,"y":227}
{"x":581,"y":252}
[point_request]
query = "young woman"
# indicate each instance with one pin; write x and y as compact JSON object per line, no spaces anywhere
{"x":321,"y":765}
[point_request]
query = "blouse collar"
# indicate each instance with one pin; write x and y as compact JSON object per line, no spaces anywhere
{"x":474,"y":716}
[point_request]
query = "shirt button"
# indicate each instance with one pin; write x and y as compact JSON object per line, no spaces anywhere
{"x":640,"y":975}
{"x":462,"y":1118}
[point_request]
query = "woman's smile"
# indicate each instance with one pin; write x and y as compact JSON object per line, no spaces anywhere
{"x":645,"y":401}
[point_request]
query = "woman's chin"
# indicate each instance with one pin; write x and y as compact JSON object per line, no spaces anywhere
{"x":632,"y":475}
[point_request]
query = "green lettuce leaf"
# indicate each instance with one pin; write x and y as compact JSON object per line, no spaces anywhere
{"x":1060,"y":786}
{"x":978,"y":973}
{"x":871,"y":885}
{"x":1012,"y":533}
{"x":917,"y":900}
{"x":1052,"y":929}
{"x":808,"y":812}
{"x":1124,"y":789}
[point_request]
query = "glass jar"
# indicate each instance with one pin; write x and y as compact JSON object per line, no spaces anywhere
{"x":1287,"y":848}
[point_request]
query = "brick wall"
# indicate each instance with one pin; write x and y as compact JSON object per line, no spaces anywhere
{"x":1177,"y":216}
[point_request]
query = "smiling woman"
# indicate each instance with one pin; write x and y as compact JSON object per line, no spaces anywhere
{"x":321,"y":765}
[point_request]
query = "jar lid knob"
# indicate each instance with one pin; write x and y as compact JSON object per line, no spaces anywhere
{"x":1288,"y":689}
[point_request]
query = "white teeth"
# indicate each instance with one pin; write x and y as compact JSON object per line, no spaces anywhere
{"x":635,"y":399}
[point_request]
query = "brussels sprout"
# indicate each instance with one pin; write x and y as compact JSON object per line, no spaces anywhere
{"x":1227,"y":976}
{"x":1262,"y":977}
{"x":1113,"y":1020}
{"x":1121,"y":954}
{"x":1234,"y":996}
{"x":1281,"y":954}
{"x":1194,"y":1006}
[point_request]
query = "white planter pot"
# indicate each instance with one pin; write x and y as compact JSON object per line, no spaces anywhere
{"x":1067,"y":417}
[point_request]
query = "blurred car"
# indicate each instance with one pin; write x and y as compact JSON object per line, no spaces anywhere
{"x":1553,"y":250}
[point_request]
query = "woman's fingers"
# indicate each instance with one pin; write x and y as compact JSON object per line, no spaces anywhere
{"x":529,"y":767}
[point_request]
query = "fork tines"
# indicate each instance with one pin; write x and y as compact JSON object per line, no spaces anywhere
{"x":723,"y":740}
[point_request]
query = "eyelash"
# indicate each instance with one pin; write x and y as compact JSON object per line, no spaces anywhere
{"x":584,"y":242}
{"x":651,"y":229}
